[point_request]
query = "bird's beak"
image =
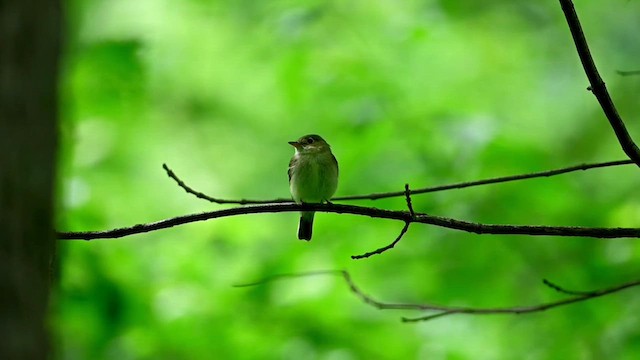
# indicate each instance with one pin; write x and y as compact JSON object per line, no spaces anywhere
{"x":295,"y":144}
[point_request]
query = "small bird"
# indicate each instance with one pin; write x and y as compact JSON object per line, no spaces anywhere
{"x":313,"y":177}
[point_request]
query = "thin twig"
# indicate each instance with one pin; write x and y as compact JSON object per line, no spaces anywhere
{"x":440,"y":310}
{"x":628,"y":73}
{"x":562,"y":290}
{"x":407,"y":196}
{"x":376,"y":196}
{"x":203,"y":196}
{"x":407,"y":193}
{"x":477,"y":228}
{"x":529,"y":309}
{"x":384,"y":248}
{"x":598,"y":87}
{"x":498,"y":180}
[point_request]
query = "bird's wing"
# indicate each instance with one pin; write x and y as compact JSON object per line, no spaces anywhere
{"x":291,"y":165}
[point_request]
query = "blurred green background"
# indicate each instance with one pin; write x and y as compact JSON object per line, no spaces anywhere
{"x":421,"y":92}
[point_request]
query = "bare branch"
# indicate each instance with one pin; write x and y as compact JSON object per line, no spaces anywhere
{"x":527,"y":309}
{"x":597,"y":84}
{"x":440,"y":310}
{"x":376,"y":196}
{"x":498,"y":180}
{"x":628,"y":73}
{"x":384,"y":248}
{"x":565,"y":291}
{"x":477,"y":228}
{"x":407,"y":193}
{"x":203,"y":196}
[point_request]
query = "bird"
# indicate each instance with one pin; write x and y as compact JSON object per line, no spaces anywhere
{"x":313,"y":177}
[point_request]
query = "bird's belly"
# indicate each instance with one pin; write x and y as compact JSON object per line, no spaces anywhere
{"x":313,"y":182}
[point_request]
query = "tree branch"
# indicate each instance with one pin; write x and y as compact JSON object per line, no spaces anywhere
{"x":516,"y":310}
{"x":562,"y":290}
{"x":407,"y":198}
{"x":203,"y":196}
{"x":376,"y":196}
{"x":535,"y":230}
{"x":440,"y":310}
{"x":497,"y":180}
{"x":597,"y":84}
{"x":384,"y":248}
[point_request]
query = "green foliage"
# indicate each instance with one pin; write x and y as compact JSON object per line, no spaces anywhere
{"x":424,"y":92}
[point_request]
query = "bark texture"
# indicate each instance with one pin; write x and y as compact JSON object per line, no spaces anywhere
{"x":29,"y":53}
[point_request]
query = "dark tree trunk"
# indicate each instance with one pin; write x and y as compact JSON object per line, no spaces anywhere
{"x":29,"y":51}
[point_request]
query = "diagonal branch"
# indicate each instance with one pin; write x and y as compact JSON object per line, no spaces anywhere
{"x":384,"y":248}
{"x":376,"y":196}
{"x":477,"y":228}
{"x":562,"y":290}
{"x":597,"y":84}
{"x":204,"y":196}
{"x":378,"y":251}
{"x":516,"y":310}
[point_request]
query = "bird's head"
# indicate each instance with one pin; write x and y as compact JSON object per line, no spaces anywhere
{"x":309,"y":144}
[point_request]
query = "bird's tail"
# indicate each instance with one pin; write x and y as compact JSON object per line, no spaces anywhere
{"x":306,"y":225}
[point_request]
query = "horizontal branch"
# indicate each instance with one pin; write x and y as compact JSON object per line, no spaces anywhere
{"x":376,"y":196}
{"x":437,"y":311}
{"x":516,"y":310}
{"x":628,"y":73}
{"x":497,"y":180}
{"x":406,"y":216}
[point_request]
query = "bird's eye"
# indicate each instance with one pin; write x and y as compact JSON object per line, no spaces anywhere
{"x":310,"y":140}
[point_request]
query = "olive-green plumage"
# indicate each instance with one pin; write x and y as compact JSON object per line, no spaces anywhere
{"x":313,"y":177}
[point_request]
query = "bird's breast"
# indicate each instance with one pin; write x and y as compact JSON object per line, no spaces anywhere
{"x":313,"y":178}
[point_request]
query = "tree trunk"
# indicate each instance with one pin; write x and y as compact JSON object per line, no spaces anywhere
{"x":29,"y":51}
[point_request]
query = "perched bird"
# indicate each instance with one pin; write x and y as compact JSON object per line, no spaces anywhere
{"x":313,"y":177}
